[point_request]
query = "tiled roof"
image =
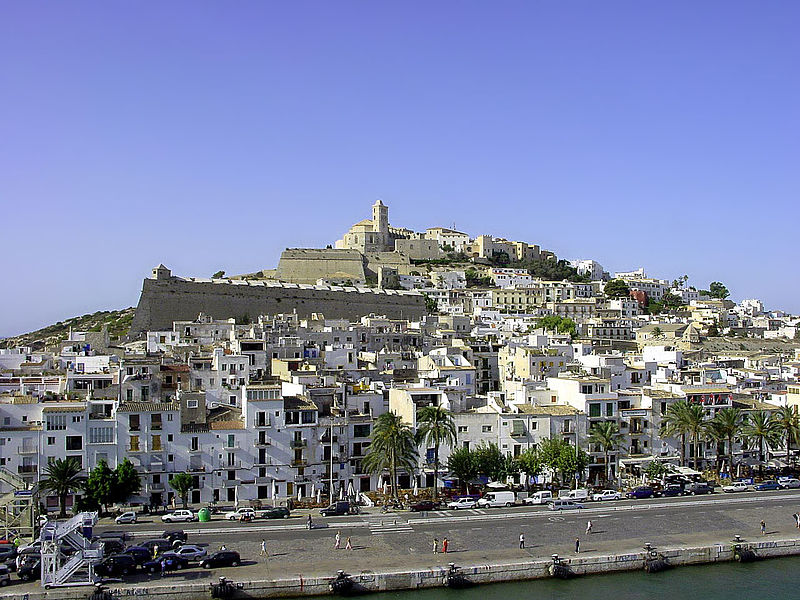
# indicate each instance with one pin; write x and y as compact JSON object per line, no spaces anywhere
{"x":131,"y":407}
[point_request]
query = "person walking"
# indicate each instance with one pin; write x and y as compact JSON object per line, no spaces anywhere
{"x":763,"y":527}
{"x":349,"y":544}
{"x":444,"y":546}
{"x":308,"y":521}
{"x":435,"y":545}
{"x":588,"y":527}
{"x":796,"y":520}
{"x":263,"y":548}
{"x":577,"y":545}
{"x":337,"y":544}
{"x":521,"y":541}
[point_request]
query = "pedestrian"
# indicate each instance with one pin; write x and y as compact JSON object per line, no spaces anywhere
{"x":796,"y":520}
{"x":349,"y":544}
{"x":577,"y":545}
{"x":223,"y":547}
{"x":444,"y":546}
{"x":435,"y":545}
{"x":263,"y":548}
{"x":308,"y":521}
{"x":763,"y":527}
{"x":588,"y":527}
{"x":155,"y":551}
{"x":521,"y":541}
{"x":338,"y":541}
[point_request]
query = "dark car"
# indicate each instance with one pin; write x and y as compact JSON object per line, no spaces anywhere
{"x":278,"y":512}
{"x":424,"y":505}
{"x":168,"y":562}
{"x":767,"y":485}
{"x":700,"y":487}
{"x":116,"y":533}
{"x":7,"y":552}
{"x":336,"y":509}
{"x":118,"y":564}
{"x":112,"y":546}
{"x":163,"y":545}
{"x":30,"y":569}
{"x":223,"y":558}
{"x":640,"y":492}
{"x":670,"y":491}
{"x":139,"y":553}
{"x":175,"y":535}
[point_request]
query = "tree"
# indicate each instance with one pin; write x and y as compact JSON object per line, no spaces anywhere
{"x":218,"y":275}
{"x":674,"y":423}
{"x":695,"y":418}
{"x":606,"y":435}
{"x":761,"y":430}
{"x":100,"y":486}
{"x":617,"y":288}
{"x":490,"y":461}
{"x":392,"y":446}
{"x":717,"y":290}
{"x":431,"y":304}
{"x":727,"y":426}
{"x":558,"y":324}
{"x":182,"y":483}
{"x":713,"y":330}
{"x":462,"y":464}
{"x":436,"y":427}
{"x":572,"y":461}
{"x":788,"y":423}
{"x":670,"y":300}
{"x":62,"y":476}
{"x":655,"y":470}
{"x":529,"y":463}
{"x":500,"y":258}
{"x":657,"y":333}
{"x":128,"y":481}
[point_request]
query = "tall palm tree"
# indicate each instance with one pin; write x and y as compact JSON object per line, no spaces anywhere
{"x":605,"y":434}
{"x":695,"y":418}
{"x":788,"y":421}
{"x":392,"y":446}
{"x":62,"y":476}
{"x":675,"y":424}
{"x":436,"y":428}
{"x":759,"y":431}
{"x":726,"y":426}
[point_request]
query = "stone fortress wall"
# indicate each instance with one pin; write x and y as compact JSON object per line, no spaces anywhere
{"x":307,"y":265}
{"x":166,"y":299}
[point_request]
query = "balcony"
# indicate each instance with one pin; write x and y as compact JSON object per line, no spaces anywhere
{"x":298,"y":444}
{"x":156,"y":488}
{"x":136,"y":448}
{"x":263,"y":480}
{"x":195,"y":450}
{"x":299,"y":462}
{"x":27,"y":450}
{"x":261,"y":443}
{"x":27,"y":469}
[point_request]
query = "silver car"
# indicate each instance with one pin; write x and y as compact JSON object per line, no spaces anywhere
{"x":126,"y":518}
{"x":189,"y":552}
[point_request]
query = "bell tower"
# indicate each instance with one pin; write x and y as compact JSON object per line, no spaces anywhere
{"x":380,"y":217}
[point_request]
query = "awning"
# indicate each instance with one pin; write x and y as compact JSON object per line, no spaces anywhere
{"x":517,"y":427}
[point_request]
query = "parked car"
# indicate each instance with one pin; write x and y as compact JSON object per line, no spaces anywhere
{"x":640,"y":492}
{"x":239,"y":513}
{"x":139,"y":553}
{"x":7,"y":552}
{"x":699,"y":487}
{"x":579,"y":494}
{"x":670,"y":490}
{"x":540,"y":497}
{"x":117,"y":564}
{"x":736,"y":486}
{"x":767,"y":485}
{"x":424,"y":505}
{"x":163,"y":545}
{"x":564,"y":504}
{"x":789,"y":483}
{"x":336,"y":509}
{"x":113,"y":546}
{"x":166,"y":562}
{"x":277,"y":512}
{"x":116,"y":533}
{"x":175,"y":535}
{"x":126,"y":518}
{"x":462,"y":503}
{"x":30,"y":569}
{"x":606,"y":495}
{"x":179,"y":515}
{"x":189,"y":552}
{"x":5,"y":575}
{"x":494,"y":499}
{"x":223,"y":558}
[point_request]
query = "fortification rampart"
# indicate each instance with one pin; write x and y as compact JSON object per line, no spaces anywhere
{"x":166,"y":299}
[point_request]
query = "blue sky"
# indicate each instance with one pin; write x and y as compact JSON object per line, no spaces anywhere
{"x":211,"y":136}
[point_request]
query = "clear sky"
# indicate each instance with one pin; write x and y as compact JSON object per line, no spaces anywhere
{"x":212,"y":135}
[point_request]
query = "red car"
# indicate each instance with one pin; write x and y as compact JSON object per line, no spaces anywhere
{"x":424,"y":505}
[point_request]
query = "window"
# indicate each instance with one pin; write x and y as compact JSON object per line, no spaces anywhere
{"x":486,"y":428}
{"x":463,"y":429}
{"x":77,"y":419}
{"x":134,"y":443}
{"x":51,"y":441}
{"x":133,"y":422}
{"x":361,"y":430}
{"x":155,"y":442}
{"x":101,"y":435}
{"x":55,"y":422}
{"x":609,"y":409}
{"x":195,"y":444}
{"x":155,"y":422}
{"x":74,"y":442}
{"x":594,"y":409}
{"x":198,"y":382}
{"x":308,"y":416}
{"x":169,"y":417}
{"x":129,"y":395}
{"x":191,"y":404}
{"x":145,"y":394}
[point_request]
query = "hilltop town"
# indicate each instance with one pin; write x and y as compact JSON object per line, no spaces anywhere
{"x":519,"y":347}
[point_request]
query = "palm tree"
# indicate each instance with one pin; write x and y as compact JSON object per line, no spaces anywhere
{"x":760,"y":430}
{"x":62,"y":476}
{"x":695,"y":418}
{"x":674,"y":423}
{"x":436,"y":427}
{"x":725,"y":427}
{"x":392,"y":446}
{"x":605,"y":434}
{"x":788,"y":422}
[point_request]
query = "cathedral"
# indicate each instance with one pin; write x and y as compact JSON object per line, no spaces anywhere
{"x":373,"y":235}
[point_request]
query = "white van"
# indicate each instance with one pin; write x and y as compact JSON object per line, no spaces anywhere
{"x":579,"y":495}
{"x":561,"y":504}
{"x":491,"y":499}
{"x":542,"y":497}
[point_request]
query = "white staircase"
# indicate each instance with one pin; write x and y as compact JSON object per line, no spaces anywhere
{"x":17,"y":506}
{"x":60,"y":570}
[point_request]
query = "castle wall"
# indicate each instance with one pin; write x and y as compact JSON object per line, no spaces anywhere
{"x":307,"y":265}
{"x":171,"y":299}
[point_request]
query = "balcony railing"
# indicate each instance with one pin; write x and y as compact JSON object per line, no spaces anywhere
{"x":261,"y":443}
{"x":298,"y":443}
{"x":299,"y":462}
{"x":28,"y":450}
{"x":137,"y":448}
{"x":28,"y":469}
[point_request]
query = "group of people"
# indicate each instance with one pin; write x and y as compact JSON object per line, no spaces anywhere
{"x":337,"y":542}
{"x":445,"y":544}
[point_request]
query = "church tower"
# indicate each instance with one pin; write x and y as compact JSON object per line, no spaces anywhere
{"x":380,"y":217}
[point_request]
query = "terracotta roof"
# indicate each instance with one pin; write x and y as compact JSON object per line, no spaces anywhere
{"x":552,"y":410}
{"x":130,"y":407}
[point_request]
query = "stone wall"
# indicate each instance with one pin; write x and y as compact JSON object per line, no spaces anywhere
{"x":307,"y":265}
{"x":175,"y":298}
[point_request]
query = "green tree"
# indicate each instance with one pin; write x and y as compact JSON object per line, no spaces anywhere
{"x":606,"y":435}
{"x":572,"y":461}
{"x":392,"y":446}
{"x":436,"y":427}
{"x":726,"y":426}
{"x":788,"y":423}
{"x":657,"y":333}
{"x":670,"y":300}
{"x":550,"y":454}
{"x":675,"y":424}
{"x":529,"y":463}
{"x":431,"y":305}
{"x":761,"y":431}
{"x":695,"y":419}
{"x":463,"y":465}
{"x":100,"y":486}
{"x":717,"y":290}
{"x":655,"y":470}
{"x":489,"y":460}
{"x":617,"y":288}
{"x":128,"y":481}
{"x":713,"y":330}
{"x":182,"y":483}
{"x":218,"y":275}
{"x":62,"y":476}
{"x":500,"y":258}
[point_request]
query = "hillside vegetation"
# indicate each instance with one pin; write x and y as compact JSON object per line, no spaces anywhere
{"x":117,"y":321}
